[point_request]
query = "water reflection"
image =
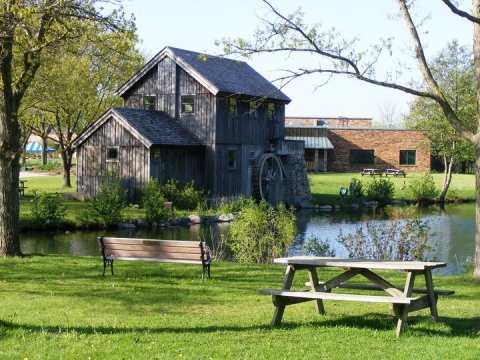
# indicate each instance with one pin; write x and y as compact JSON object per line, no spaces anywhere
{"x":453,"y":242}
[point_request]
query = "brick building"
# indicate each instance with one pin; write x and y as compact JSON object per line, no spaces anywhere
{"x":329,"y":147}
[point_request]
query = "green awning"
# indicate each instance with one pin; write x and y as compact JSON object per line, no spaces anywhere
{"x":320,"y":142}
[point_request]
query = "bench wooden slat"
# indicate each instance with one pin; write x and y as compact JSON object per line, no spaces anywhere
{"x":333,"y":296}
{"x":374,"y":287}
{"x":151,"y":242}
{"x":180,"y":261}
{"x":152,"y":254}
{"x":175,"y":249}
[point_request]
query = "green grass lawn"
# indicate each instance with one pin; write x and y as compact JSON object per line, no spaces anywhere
{"x":325,"y":187}
{"x":59,"y":307}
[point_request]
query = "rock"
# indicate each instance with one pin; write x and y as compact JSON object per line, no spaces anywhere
{"x":354,"y":206}
{"x":225,"y":217}
{"x":324,"y":208}
{"x":211,"y":219}
{"x":175,"y":222}
{"x":141,"y":223}
{"x":398,"y":202}
{"x":127,"y":226}
{"x":371,"y":204}
{"x":195,"y":219}
{"x":338,"y":207}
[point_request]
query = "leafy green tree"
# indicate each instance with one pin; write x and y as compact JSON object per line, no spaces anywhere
{"x":29,"y":30}
{"x":453,"y":69}
{"x":78,"y":84}
{"x":291,"y":35}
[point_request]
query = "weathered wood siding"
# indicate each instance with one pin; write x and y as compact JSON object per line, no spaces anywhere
{"x":147,"y":86}
{"x":133,"y":163}
{"x":246,"y":134}
{"x":180,"y":163}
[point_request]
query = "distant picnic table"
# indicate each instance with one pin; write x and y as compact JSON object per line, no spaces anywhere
{"x":394,"y":172}
{"x":371,"y":172}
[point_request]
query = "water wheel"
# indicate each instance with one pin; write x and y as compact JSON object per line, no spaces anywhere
{"x":267,"y":178}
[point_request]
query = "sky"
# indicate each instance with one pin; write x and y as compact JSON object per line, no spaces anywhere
{"x":197,"y":24}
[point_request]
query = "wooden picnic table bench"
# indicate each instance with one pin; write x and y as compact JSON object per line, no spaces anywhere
{"x":371,"y":172}
{"x":21,"y":186}
{"x":401,"y":298}
{"x":394,"y":172}
{"x":172,"y":251}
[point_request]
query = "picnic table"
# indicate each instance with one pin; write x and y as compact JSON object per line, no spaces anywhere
{"x":394,"y":172}
{"x":401,"y":299}
{"x":21,"y":186}
{"x":371,"y":172}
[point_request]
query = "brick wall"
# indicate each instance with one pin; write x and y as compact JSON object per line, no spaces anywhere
{"x":386,"y":144}
{"x":330,"y":122}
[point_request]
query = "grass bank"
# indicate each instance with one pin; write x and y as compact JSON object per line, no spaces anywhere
{"x":325,"y":187}
{"x":58,"y":307}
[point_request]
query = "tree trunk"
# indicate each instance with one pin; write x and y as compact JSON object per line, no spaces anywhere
{"x":476,"y":272}
{"x":67,"y":166}
{"x":9,"y":176}
{"x":44,"y":150}
{"x":447,"y":179}
{"x":476,"y":141}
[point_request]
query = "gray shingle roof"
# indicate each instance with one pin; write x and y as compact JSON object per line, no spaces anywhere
{"x":217,"y":74}
{"x":230,"y":76}
{"x":158,"y":127}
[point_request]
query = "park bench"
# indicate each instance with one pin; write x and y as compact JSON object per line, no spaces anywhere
{"x":371,"y":172}
{"x":394,"y":172}
{"x":171,"y":251}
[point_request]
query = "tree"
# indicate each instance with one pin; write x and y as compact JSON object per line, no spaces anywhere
{"x":291,"y":34}
{"x":28,"y":29}
{"x":78,"y":84}
{"x":453,"y":69}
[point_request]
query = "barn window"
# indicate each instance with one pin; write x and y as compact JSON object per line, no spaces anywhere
{"x":252,"y":110}
{"x":232,"y":159}
{"x":251,"y":158}
{"x":188,"y":104}
{"x":232,"y":107}
{"x":408,"y":157}
{"x":150,"y":102}
{"x":112,"y":154}
{"x":156,"y":155}
{"x":361,"y":157}
{"x":271,"y":111}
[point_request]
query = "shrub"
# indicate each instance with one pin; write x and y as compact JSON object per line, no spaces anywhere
{"x":107,"y":207}
{"x":422,"y":189}
{"x":47,"y":210}
{"x":356,"y":188}
{"x":261,"y":232}
{"x":187,"y":197}
{"x":400,"y":239}
{"x":381,"y":190}
{"x":153,"y":202}
{"x":316,"y":247}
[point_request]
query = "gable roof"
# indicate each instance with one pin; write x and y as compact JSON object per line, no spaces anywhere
{"x":217,"y":74}
{"x":149,"y":127}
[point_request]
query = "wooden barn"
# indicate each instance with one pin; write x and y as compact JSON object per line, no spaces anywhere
{"x":190,"y":116}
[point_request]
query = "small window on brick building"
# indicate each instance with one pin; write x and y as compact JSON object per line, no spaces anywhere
{"x":187,"y":104}
{"x":408,"y":157}
{"x":232,"y":159}
{"x":361,"y":157}
{"x":150,"y":102}
{"x":320,"y":123}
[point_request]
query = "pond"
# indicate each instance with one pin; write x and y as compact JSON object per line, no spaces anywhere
{"x":452,"y":243}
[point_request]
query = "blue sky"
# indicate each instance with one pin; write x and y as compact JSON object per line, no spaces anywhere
{"x":196,"y":24}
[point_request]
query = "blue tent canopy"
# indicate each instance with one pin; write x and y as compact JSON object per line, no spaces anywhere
{"x":35,"y":147}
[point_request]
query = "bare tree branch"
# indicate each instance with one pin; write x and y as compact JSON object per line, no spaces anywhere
{"x":461,"y":13}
